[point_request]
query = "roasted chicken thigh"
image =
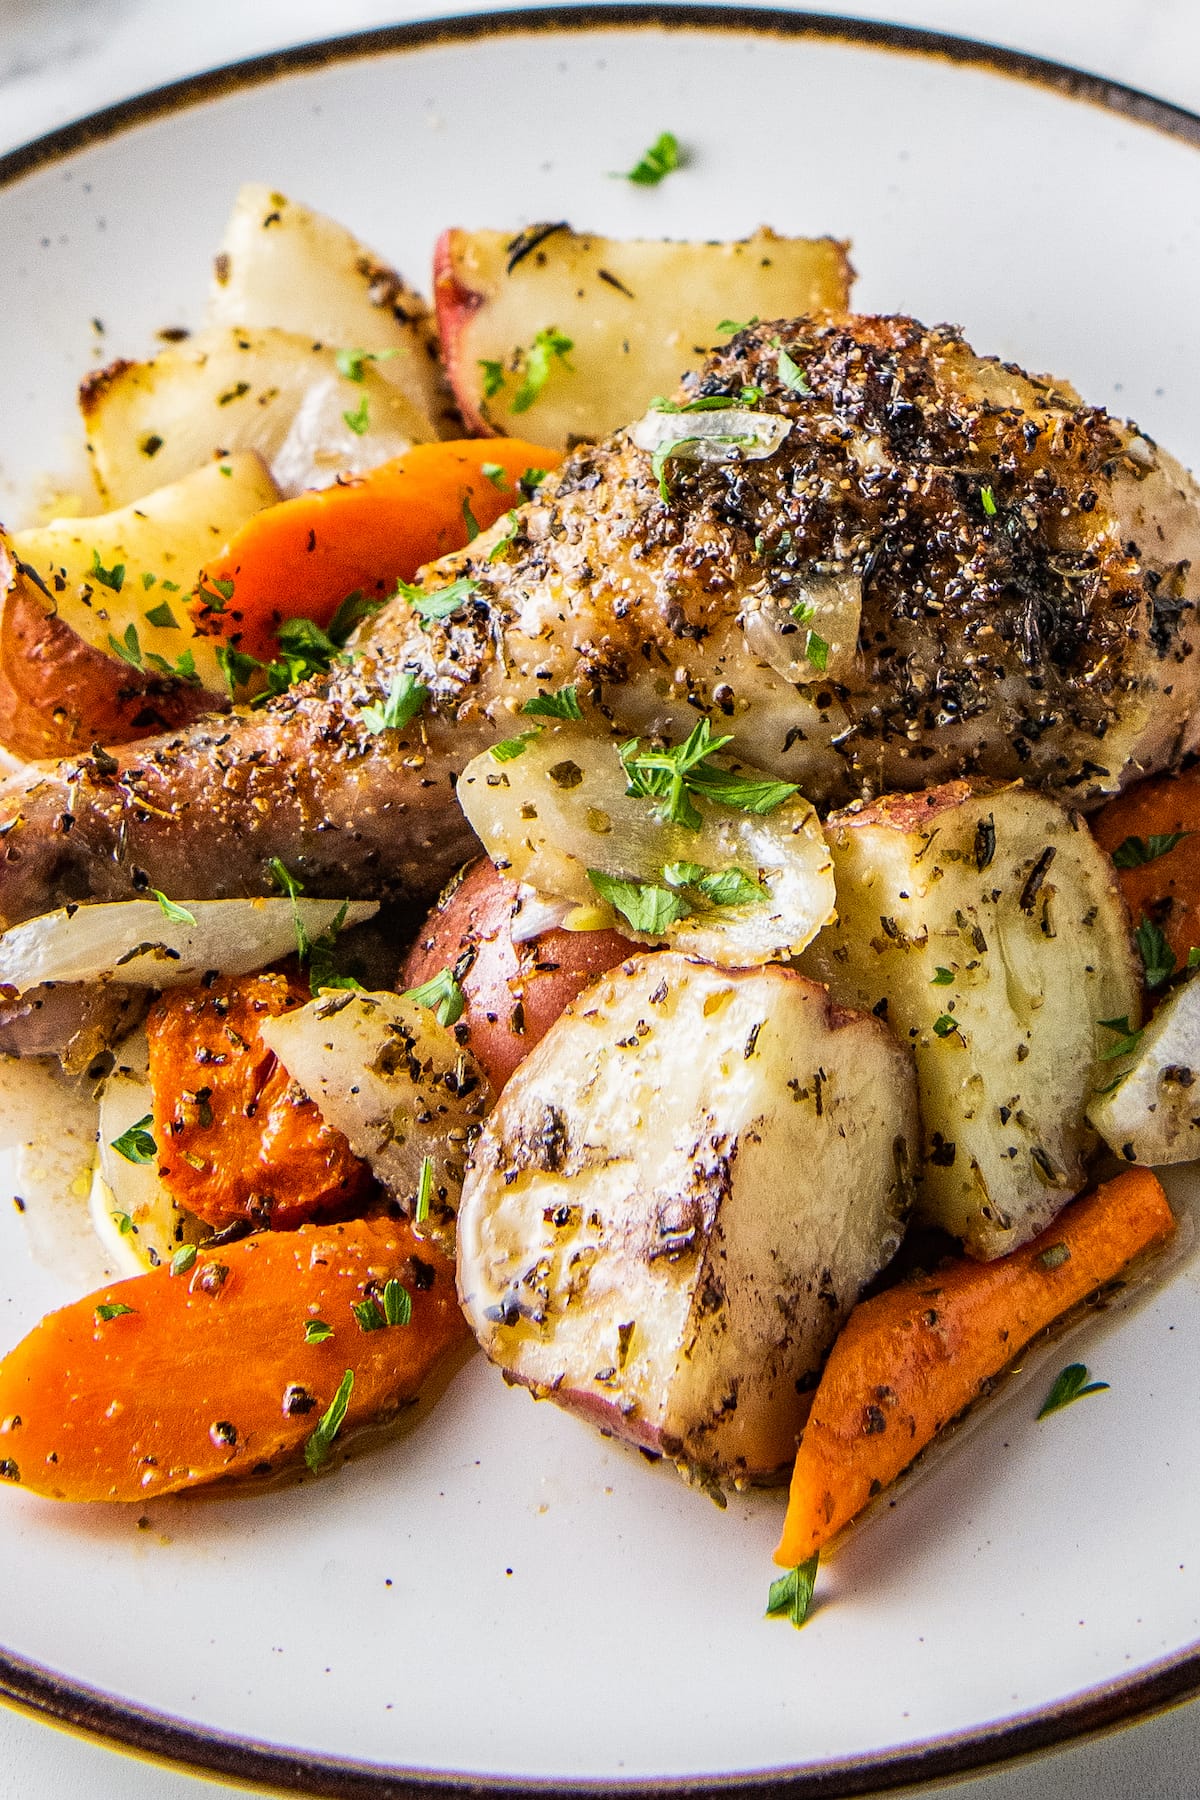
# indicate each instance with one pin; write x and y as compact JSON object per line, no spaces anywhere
{"x":945,"y":566}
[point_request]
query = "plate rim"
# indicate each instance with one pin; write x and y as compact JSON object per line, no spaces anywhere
{"x":42,"y":1693}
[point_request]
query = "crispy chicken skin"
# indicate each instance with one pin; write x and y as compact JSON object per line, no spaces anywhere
{"x":1028,"y":569}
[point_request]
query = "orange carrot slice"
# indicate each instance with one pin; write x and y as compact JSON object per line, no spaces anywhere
{"x":302,"y":558}
{"x":910,"y":1359}
{"x":1153,"y":831}
{"x":168,"y":1381}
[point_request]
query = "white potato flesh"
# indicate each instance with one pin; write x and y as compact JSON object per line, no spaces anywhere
{"x":274,"y":392}
{"x":560,"y":808}
{"x":138,"y":944}
{"x":638,"y":314}
{"x":1154,"y":1115}
{"x":677,"y":1199}
{"x":132,"y":1212}
{"x":165,"y":537}
{"x":282,"y":265}
{"x":382,"y":1070}
{"x":989,"y":931}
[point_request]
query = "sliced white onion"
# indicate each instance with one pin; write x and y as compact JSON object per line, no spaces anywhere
{"x":134,"y":941}
{"x":721,"y":436}
{"x":533,"y":915}
{"x":812,"y":634}
{"x":133,"y":1214}
{"x":383,"y":1071}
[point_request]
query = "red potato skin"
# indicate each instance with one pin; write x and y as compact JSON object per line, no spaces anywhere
{"x":454,"y":306}
{"x":59,"y":696}
{"x":513,"y":992}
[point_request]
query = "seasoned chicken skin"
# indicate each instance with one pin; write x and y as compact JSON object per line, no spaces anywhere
{"x":1024,"y":572}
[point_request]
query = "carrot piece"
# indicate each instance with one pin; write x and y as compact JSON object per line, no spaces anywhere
{"x":169,"y":1381}
{"x":1165,"y":888}
{"x":235,"y":1139}
{"x":910,"y":1359}
{"x":302,"y":558}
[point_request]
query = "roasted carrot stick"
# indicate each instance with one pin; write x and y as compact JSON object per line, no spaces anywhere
{"x":171,"y":1380}
{"x":302,"y":558}
{"x":910,"y":1359}
{"x":1153,"y":834}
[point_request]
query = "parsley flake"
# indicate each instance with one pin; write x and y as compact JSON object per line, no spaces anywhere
{"x":128,"y":648}
{"x":790,"y":373}
{"x":1071,"y":1384}
{"x":720,"y":887}
{"x":358,"y":421}
{"x":493,"y":378}
{"x":945,"y":1025}
{"x":1128,"y":1038}
{"x":350,"y":362}
{"x":319,"y":1445}
{"x":792,"y":1595}
{"x":508,"y":749}
{"x":538,"y":360}
{"x":1134,"y":852}
{"x":137,"y":1144}
{"x":942,"y":978}
{"x":316,"y":1331}
{"x":469,"y":519}
{"x":162,"y":616}
{"x":405,"y":698}
{"x":178,"y":915}
{"x":660,"y":160}
{"x":439,"y":604}
{"x":111,"y":1309}
{"x":673,"y":776}
{"x":563,"y":703}
{"x":424,"y":1190}
{"x":728,"y":327}
{"x":1158,"y":958}
{"x":442,"y":995}
{"x":495,"y":474}
{"x":988,"y":501}
{"x":183,"y":1259}
{"x":648,"y":908}
{"x":113,"y":579}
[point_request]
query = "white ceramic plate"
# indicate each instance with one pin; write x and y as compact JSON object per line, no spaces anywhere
{"x":502,"y":1598}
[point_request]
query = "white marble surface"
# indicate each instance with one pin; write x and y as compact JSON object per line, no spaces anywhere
{"x":63,"y":58}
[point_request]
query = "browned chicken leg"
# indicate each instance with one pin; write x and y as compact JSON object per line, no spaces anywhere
{"x":1023,"y":572}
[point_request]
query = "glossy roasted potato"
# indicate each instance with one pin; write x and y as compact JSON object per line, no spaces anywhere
{"x":513,"y":991}
{"x":677,"y":1200}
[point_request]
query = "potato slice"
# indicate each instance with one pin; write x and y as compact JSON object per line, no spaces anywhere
{"x":637,"y":314}
{"x":987,"y":928}
{"x":134,"y":568}
{"x":560,"y":808}
{"x":382,"y":1071}
{"x":1153,"y":1116}
{"x":678,"y":1198}
{"x":276,"y":392}
{"x":281,"y":265}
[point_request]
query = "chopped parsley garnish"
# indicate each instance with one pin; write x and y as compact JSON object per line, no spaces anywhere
{"x":469,"y":519}
{"x":405,"y":698}
{"x":183,"y":1259}
{"x":123,"y":1223}
{"x":673,"y":776}
{"x":816,"y":649}
{"x":350,"y":362}
{"x":728,"y":327}
{"x":424,"y":1190}
{"x":1133,"y":852}
{"x":945,"y":1025}
{"x":708,"y":403}
{"x":162,"y":616}
{"x":720,"y":887}
{"x":236,"y":666}
{"x":510,"y":748}
{"x":661,"y":457}
{"x":751,"y":396}
{"x":988,"y":501}
{"x":441,"y":602}
{"x":316,"y":1331}
{"x":359,"y":419}
{"x":442,"y":995}
{"x":791,"y":374}
{"x":322,"y":957}
{"x":942,"y":978}
{"x":397,"y":1302}
{"x":1128,"y":1038}
{"x":183,"y":668}
{"x":178,"y":915}
{"x":531,"y":480}
{"x":512,"y":524}
{"x":791,"y":1596}
{"x":647,"y":908}
{"x":1071,"y":1384}
{"x":493,"y":378}
{"x":368,"y":1315}
{"x":113,"y":579}
{"x":293,"y":887}
{"x":661,"y":159}
{"x":495,"y":474}
{"x":538,"y":360}
{"x":1158,"y":958}
{"x":128,"y":648}
{"x":319,"y":1445}
{"x":148,"y":580}
{"x":111,"y":1309}
{"x":137,"y":1144}
{"x":563,"y":703}
{"x":353,"y":610}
